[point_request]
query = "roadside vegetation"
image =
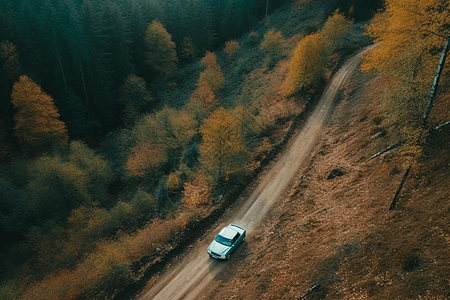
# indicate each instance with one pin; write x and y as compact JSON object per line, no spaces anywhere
{"x":104,"y":161}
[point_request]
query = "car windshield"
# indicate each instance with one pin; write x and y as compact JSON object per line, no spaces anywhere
{"x":223,"y":240}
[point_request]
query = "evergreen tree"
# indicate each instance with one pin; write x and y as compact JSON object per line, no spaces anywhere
{"x":73,"y":113}
{"x":161,"y":55}
{"x":119,"y":40}
{"x":97,"y":68}
{"x":134,"y":97}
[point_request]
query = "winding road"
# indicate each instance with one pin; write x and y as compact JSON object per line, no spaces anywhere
{"x":186,"y":279}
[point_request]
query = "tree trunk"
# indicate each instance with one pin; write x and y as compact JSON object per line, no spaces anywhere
{"x":397,"y":194}
{"x":436,"y":81}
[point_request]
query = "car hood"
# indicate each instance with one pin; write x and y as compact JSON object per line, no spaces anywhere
{"x":218,"y":248}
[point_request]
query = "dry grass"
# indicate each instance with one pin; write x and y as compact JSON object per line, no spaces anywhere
{"x":340,"y":234}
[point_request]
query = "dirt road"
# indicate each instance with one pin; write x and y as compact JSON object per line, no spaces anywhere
{"x":187,"y":279}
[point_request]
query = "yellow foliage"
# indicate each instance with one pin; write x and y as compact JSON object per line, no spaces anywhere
{"x":196,"y":192}
{"x":221,"y":144}
{"x":308,"y":64}
{"x":231,"y":47}
{"x":273,"y":42}
{"x":37,"y":119}
{"x":173,"y":182}
{"x":410,"y":31}
{"x":212,"y":75}
{"x":335,"y":28}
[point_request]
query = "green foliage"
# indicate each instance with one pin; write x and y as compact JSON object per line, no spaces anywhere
{"x":73,"y":113}
{"x":58,"y":184}
{"x":135,"y":98}
{"x":188,"y":50}
{"x":10,"y":59}
{"x":161,"y":54}
{"x":168,"y":127}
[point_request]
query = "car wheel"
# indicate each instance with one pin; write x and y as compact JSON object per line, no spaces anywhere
{"x":228,"y":256}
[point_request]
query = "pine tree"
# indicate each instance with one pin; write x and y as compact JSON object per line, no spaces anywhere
{"x":10,"y":60}
{"x":161,"y":55}
{"x":36,"y":117}
{"x":97,"y":70}
{"x":134,"y":97}
{"x":73,"y":113}
{"x":119,"y":40}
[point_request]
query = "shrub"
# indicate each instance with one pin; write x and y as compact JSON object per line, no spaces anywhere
{"x":197,"y":192}
{"x":273,"y":42}
{"x":231,"y":47}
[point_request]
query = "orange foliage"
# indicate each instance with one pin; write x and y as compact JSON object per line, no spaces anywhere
{"x":144,"y":156}
{"x":108,"y":263}
{"x":203,"y":96}
{"x":196,"y":192}
{"x":37,"y":119}
{"x":231,"y":47}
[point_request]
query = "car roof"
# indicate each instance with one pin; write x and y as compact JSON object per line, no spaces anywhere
{"x":228,"y":233}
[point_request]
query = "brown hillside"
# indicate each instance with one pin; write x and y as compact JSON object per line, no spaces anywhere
{"x":338,"y":233}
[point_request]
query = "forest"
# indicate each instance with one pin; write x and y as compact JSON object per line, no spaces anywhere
{"x":121,"y":122}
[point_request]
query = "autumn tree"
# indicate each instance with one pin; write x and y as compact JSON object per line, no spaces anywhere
{"x":273,"y":42}
{"x":231,"y":47}
{"x":161,"y":55}
{"x":307,"y":65}
{"x":212,"y":75}
{"x":203,"y":98}
{"x":336,"y":27}
{"x":197,"y":192}
{"x":221,"y":150}
{"x":145,"y":156}
{"x":411,"y":34}
{"x":36,"y":117}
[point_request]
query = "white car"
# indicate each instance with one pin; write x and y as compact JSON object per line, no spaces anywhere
{"x":226,"y":242}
